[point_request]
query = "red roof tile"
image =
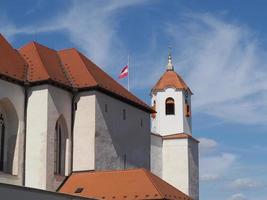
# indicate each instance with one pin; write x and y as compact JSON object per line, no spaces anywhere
{"x":69,"y":68}
{"x":123,"y":184}
{"x":44,"y":64}
{"x":170,"y":79}
{"x":85,"y":74}
{"x":12,"y":64}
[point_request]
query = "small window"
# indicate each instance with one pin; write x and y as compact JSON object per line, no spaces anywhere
{"x":60,"y":137}
{"x":124,"y":114}
{"x":75,"y":105}
{"x":106,"y":107}
{"x":58,"y":147}
{"x":187,"y":110}
{"x":78,"y":190}
{"x":170,"y":106}
{"x":141,"y":123}
{"x":153,"y":115}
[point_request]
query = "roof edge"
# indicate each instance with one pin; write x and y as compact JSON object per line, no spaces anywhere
{"x":173,"y":136}
{"x":147,"y":175}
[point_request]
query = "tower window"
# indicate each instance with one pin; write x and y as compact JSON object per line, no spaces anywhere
{"x":153,"y":115}
{"x":106,"y":107}
{"x":170,"y":106}
{"x":187,"y":110}
{"x":124,"y":114}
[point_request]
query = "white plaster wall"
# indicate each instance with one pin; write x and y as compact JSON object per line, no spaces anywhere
{"x":180,"y":165}
{"x":176,"y":164}
{"x":15,"y":95}
{"x":59,"y":105}
{"x":169,"y":124}
{"x":46,"y":104}
{"x":156,"y":155}
{"x":36,"y":141}
{"x":116,"y":137}
{"x":84,"y":132}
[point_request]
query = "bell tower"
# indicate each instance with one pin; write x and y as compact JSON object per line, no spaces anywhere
{"x":174,"y":151}
{"x":171,"y":98}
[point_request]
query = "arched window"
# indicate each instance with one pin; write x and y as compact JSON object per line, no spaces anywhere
{"x":154,"y":108}
{"x":2,"y":141}
{"x":60,"y":147}
{"x":9,"y":126}
{"x":170,"y":106}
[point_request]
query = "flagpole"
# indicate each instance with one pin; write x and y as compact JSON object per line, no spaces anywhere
{"x":128,"y":72}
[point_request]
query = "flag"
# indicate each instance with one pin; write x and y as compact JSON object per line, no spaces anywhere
{"x":124,"y":72}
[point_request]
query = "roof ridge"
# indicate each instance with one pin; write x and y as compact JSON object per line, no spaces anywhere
{"x":35,"y":44}
{"x":66,"y":73}
{"x":79,"y":54}
{"x":25,"y":66}
{"x":169,"y":185}
{"x":151,"y":180}
{"x":112,"y":79}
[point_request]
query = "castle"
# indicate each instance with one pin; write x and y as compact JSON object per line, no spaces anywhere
{"x":60,"y":113}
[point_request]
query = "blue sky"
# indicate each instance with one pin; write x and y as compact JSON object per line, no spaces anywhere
{"x":219,"y":47}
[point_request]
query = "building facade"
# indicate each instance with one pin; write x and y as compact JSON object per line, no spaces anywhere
{"x":60,"y":113}
{"x":174,"y":151}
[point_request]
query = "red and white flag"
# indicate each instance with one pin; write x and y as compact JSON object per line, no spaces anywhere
{"x":124,"y":72}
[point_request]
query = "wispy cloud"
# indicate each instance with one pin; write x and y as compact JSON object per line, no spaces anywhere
{"x":214,"y":167}
{"x":214,"y":164}
{"x":246,"y":183}
{"x":223,"y":62}
{"x":224,"y":65}
{"x":207,"y":145}
{"x":91,"y":25}
{"x":238,"y":196}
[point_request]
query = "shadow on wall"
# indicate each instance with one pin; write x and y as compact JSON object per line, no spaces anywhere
{"x":121,"y":141}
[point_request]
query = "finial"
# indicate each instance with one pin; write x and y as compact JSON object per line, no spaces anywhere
{"x":169,"y":65}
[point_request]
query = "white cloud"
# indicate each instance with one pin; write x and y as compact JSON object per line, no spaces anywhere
{"x":213,"y":167}
{"x":207,"y":145}
{"x":222,"y":62}
{"x":246,"y":183}
{"x":224,"y":65}
{"x":91,"y":25}
{"x":238,"y":196}
{"x":209,"y":177}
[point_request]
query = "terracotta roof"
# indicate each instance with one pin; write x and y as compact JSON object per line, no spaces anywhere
{"x":68,"y":68}
{"x":44,"y":64}
{"x":79,"y":66}
{"x":12,"y":64}
{"x":126,"y":184}
{"x":176,"y":136}
{"x":170,"y":79}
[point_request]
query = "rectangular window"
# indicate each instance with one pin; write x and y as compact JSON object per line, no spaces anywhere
{"x":75,"y":105}
{"x":187,"y":111}
{"x":106,"y":107}
{"x":124,"y":114}
{"x":141,"y":123}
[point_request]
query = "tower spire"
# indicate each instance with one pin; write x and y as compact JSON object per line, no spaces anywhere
{"x":170,"y":65}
